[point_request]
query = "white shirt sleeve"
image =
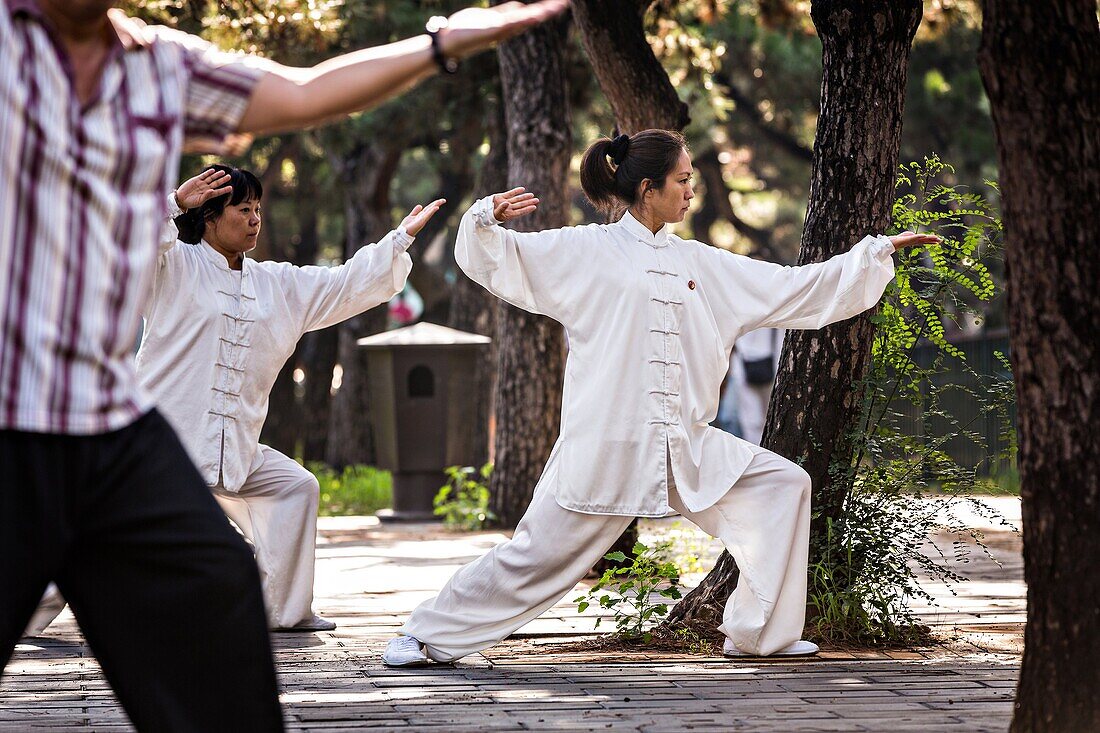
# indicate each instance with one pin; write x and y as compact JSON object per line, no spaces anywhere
{"x":169,"y":234}
{"x":535,"y":271}
{"x":324,"y":296}
{"x":766,"y":295}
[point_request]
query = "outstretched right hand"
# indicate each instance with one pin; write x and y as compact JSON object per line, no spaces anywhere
{"x":513,"y":204}
{"x":194,"y":192}
{"x":474,"y":29}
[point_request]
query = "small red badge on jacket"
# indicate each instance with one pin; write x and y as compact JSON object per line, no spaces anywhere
{"x":691,"y":285}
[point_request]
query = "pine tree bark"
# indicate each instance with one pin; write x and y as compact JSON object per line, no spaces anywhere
{"x":630,"y":75}
{"x":531,"y":360}
{"x":1040,"y":62}
{"x":367,"y":174}
{"x":865,"y":55}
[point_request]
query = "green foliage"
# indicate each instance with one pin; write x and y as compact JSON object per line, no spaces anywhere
{"x":637,"y":593}
{"x":464,"y":501}
{"x":868,"y":560}
{"x":355,"y":490}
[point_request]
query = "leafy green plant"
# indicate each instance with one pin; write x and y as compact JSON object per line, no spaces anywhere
{"x":355,"y":490}
{"x":463,"y":501}
{"x":637,"y":592}
{"x":870,"y":559}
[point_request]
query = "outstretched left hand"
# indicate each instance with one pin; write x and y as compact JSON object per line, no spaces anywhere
{"x":419,"y":216}
{"x":912,"y":239}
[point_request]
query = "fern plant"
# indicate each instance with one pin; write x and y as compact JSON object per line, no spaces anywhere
{"x":871,"y":558}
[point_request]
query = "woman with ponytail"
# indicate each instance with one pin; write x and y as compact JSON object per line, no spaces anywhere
{"x":651,"y":320}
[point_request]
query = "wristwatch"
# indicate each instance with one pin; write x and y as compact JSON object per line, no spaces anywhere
{"x":435,"y":24}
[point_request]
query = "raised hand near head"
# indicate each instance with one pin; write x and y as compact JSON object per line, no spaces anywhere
{"x":194,"y":192}
{"x":513,"y":204}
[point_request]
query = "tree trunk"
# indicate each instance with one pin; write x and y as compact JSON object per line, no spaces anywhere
{"x":366,"y":174}
{"x":1040,"y":62}
{"x":716,"y":205}
{"x":630,"y":75}
{"x":865,"y":54}
{"x":531,"y":348}
{"x":318,"y":359}
{"x":473,"y":308}
{"x":283,"y":428}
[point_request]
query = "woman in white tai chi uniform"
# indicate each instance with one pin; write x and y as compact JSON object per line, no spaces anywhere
{"x":651,"y":319}
{"x":218,"y":328}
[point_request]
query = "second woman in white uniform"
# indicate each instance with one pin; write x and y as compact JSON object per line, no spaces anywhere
{"x":651,"y":320}
{"x":219,"y":327}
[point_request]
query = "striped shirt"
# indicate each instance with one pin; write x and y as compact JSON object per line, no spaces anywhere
{"x":82,"y":191}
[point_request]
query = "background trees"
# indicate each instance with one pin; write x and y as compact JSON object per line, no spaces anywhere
{"x":746,"y":74}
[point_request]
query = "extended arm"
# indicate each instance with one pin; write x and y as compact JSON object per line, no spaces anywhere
{"x":288,"y":98}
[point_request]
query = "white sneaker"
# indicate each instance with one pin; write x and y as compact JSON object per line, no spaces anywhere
{"x":801,"y":648}
{"x":314,"y":623}
{"x":405,"y":651}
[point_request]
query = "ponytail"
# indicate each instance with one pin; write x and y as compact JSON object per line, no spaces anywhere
{"x":612,"y":171}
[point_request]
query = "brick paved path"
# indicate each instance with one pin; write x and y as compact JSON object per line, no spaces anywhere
{"x":370,"y":575}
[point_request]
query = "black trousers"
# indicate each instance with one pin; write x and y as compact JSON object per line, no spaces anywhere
{"x":166,"y":592}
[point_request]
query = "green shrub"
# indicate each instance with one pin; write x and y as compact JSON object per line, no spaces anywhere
{"x":355,"y":490}
{"x":463,"y":501}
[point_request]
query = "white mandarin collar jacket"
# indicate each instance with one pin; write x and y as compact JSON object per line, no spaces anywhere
{"x":651,"y":320}
{"x":216,"y":338}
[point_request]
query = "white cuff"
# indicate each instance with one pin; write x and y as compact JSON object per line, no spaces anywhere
{"x":483,"y":213}
{"x":174,"y":209}
{"x":402,"y":239}
{"x":883,"y":248}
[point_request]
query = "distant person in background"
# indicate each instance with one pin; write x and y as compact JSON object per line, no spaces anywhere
{"x":752,"y":374}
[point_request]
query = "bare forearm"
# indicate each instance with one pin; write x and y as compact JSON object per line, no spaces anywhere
{"x":289,"y":98}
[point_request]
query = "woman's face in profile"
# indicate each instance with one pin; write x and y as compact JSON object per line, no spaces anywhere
{"x":670,"y":203}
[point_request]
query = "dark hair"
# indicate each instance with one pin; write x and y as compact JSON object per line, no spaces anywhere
{"x":612,"y":170}
{"x":246,"y":186}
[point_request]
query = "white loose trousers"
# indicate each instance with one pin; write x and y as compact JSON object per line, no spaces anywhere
{"x":276,"y":511}
{"x":763,"y":520}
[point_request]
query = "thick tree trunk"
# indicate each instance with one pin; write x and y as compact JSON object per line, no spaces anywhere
{"x":1041,"y":65}
{"x":530,"y":347}
{"x":473,"y":308}
{"x":632,"y":79}
{"x":367,"y":174}
{"x":865,"y":54}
